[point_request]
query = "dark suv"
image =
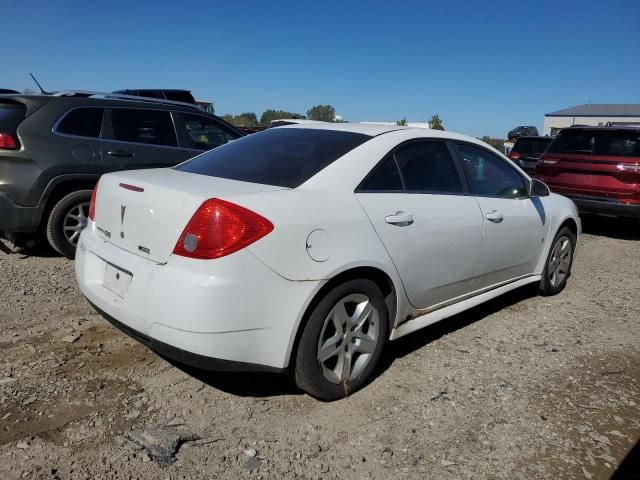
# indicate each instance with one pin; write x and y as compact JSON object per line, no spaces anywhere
{"x":54,"y":148}
{"x":527,"y":151}
{"x":523,"y":131}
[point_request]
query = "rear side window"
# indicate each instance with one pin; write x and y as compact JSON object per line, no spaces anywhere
{"x":535,"y":146}
{"x":428,"y":167}
{"x":597,"y":142}
{"x":385,"y":177}
{"x":572,"y":141}
{"x":11,"y":114}
{"x":285,"y":157}
{"x":83,"y":122}
{"x":153,"y":127}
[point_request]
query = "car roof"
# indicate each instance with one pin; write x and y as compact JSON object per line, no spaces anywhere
{"x":537,"y":137}
{"x":374,"y":130}
{"x":613,"y":128}
{"x":86,"y":98}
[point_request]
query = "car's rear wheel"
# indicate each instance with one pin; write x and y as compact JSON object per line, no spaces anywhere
{"x":559,"y":262}
{"x":67,"y":219}
{"x":342,"y":340}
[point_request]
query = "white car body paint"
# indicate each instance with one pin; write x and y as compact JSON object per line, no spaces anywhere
{"x":248,"y":306}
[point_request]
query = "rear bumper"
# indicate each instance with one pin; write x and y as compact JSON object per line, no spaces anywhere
{"x":17,"y":219}
{"x":185,"y":357}
{"x":207,"y":314}
{"x":605,"y":206}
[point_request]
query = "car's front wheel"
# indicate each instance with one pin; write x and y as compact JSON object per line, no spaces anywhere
{"x":342,"y":340}
{"x":67,"y":219}
{"x":559,"y":262}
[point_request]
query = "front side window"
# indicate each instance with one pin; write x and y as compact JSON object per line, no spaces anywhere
{"x":490,"y":175}
{"x":83,"y":122}
{"x":285,"y":157}
{"x":202,"y":133}
{"x":153,"y":127}
{"x":428,"y":167}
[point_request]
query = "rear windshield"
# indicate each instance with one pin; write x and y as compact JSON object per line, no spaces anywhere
{"x":532,"y":145}
{"x":597,"y":142}
{"x":285,"y":157}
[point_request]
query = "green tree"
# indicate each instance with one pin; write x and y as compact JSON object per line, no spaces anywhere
{"x":247,"y":119}
{"x":436,"y":122}
{"x":322,"y":113}
{"x":402,"y":123}
{"x":268,"y":115}
{"x":486,"y":139}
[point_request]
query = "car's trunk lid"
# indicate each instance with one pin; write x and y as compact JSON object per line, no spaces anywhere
{"x":145,"y":211}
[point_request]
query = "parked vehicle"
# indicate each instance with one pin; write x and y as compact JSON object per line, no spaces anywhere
{"x":53,"y":148}
{"x":4,"y":91}
{"x":307,"y":247}
{"x":523,"y":131}
{"x":527,"y":151}
{"x":597,"y":167}
{"x":164,"y":94}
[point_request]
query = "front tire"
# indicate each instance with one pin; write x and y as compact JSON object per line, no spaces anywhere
{"x":557,"y":268}
{"x":342,"y":341}
{"x":67,"y":219}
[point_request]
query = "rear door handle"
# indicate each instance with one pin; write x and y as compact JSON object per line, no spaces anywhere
{"x":120,"y":153}
{"x":399,"y":218}
{"x":495,"y":216}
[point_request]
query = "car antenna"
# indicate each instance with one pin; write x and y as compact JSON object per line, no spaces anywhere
{"x":42,"y":91}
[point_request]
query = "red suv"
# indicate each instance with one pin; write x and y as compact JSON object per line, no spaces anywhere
{"x":597,"y":167}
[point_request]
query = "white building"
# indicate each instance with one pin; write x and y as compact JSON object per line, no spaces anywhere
{"x":592,"y":114}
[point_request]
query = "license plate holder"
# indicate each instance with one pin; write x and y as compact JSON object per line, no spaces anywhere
{"x":116,"y":280}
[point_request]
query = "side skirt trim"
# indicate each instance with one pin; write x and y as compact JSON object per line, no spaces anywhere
{"x":432,"y":317}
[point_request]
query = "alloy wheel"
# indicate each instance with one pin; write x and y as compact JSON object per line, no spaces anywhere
{"x":348,"y":339}
{"x":559,"y":261}
{"x":75,"y":221}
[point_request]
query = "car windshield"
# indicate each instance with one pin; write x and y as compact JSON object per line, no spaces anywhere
{"x":597,"y":142}
{"x":285,"y":157}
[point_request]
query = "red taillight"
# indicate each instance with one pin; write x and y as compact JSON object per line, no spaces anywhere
{"x":514,"y":155}
{"x":92,"y":204}
{"x":219,"y":228}
{"x":7,"y":142}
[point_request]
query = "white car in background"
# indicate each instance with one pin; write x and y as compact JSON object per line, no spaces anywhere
{"x":307,"y":247}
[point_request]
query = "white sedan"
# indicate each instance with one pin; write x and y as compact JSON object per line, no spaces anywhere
{"x":307,"y":247}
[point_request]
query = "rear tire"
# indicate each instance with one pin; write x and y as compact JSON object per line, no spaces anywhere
{"x":342,"y":341}
{"x":67,"y":219}
{"x":558,"y":265}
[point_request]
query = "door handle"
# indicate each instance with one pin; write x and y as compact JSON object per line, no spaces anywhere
{"x":399,"y":218}
{"x":120,"y":153}
{"x":495,"y":216}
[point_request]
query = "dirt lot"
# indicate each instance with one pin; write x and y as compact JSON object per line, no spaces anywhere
{"x":523,"y":387}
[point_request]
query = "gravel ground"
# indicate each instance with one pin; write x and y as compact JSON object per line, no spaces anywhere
{"x":522,"y":387}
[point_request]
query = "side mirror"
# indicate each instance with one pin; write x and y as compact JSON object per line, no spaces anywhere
{"x":538,"y":189}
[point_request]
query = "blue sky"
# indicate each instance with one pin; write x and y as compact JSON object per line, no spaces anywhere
{"x":484,"y":67}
